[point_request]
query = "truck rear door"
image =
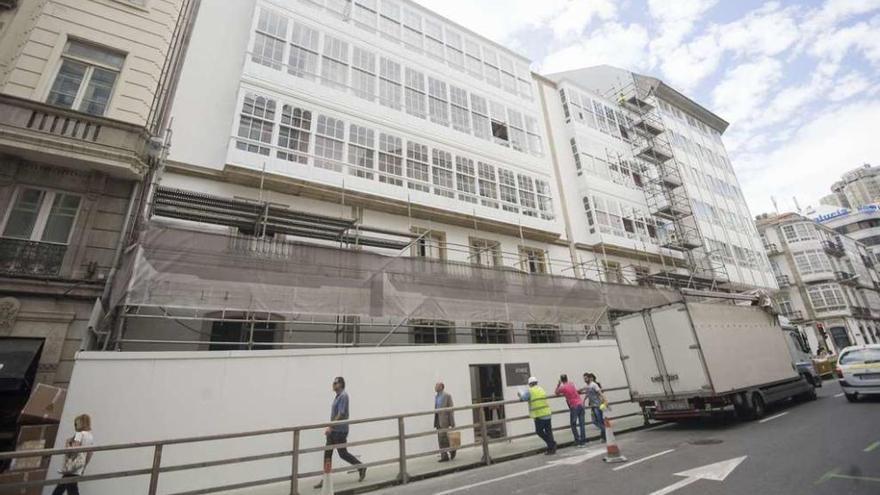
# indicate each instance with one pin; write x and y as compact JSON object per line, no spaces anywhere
{"x":685,"y":372}
{"x":638,"y":356}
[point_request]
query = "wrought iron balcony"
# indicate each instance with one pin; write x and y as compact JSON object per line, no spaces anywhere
{"x":834,"y":248}
{"x":794,"y":316}
{"x":31,"y":258}
{"x":783,"y":281}
{"x":41,"y":132}
{"x":846,"y":278}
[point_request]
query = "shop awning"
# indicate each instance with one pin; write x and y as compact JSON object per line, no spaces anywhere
{"x":18,"y":363}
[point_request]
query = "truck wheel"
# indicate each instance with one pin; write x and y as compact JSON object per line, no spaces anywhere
{"x":758,"y":407}
{"x":851,"y":397}
{"x":812,"y":395}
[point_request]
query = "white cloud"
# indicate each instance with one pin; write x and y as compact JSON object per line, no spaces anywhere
{"x":809,"y":161}
{"x":745,"y":87}
{"x":676,"y":19}
{"x":500,"y":20}
{"x":613,"y":43}
{"x":768,"y":30}
{"x":848,"y":86}
{"x":685,"y":66}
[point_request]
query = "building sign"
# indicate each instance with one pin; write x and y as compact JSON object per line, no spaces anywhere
{"x":868,"y":208}
{"x":834,"y":214}
{"x":517,"y":374}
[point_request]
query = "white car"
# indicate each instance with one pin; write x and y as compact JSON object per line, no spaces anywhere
{"x":858,"y":371}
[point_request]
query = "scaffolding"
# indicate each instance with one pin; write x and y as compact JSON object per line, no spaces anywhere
{"x":666,"y":193}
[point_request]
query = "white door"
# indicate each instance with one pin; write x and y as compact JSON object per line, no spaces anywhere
{"x":685,"y":372}
{"x":637,"y":356}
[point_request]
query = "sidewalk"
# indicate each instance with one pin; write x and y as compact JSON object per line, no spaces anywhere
{"x":425,"y":467}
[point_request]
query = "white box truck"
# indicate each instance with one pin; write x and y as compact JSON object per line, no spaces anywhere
{"x":693,"y":359}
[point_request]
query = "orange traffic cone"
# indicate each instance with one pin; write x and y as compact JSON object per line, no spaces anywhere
{"x":327,"y":480}
{"x":612,"y":454}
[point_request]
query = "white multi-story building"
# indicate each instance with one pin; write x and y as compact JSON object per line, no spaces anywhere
{"x":828,"y":281}
{"x":414,"y":145}
{"x":648,"y":181}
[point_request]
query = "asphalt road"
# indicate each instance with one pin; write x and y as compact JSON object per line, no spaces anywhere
{"x":828,"y":447}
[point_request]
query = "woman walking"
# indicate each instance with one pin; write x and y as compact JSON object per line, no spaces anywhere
{"x":75,"y":464}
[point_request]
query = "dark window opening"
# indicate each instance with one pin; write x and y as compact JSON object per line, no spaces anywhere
{"x":235,"y":336}
{"x":427,"y":332}
{"x":543,"y":334}
{"x":499,"y":130}
{"x":492,"y":333}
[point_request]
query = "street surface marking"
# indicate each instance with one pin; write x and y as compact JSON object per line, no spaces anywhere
{"x":771,"y":418}
{"x":567,"y":461}
{"x":628,"y":464}
{"x":675,"y":486}
{"x":871,"y":447}
{"x":715,"y":472}
{"x":838,"y":395}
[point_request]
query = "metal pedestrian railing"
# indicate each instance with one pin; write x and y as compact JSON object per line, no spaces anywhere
{"x":156,"y":469}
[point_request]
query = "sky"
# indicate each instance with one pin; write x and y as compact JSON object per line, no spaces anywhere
{"x":798,"y":81}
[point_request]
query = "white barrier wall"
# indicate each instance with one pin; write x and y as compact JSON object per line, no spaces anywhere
{"x":162,"y":395}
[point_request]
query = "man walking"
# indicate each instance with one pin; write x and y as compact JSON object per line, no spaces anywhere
{"x":443,"y":420}
{"x":338,"y":434}
{"x":540,"y":411}
{"x":596,"y":401}
{"x":576,"y":412}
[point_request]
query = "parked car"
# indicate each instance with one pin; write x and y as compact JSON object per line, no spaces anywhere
{"x":858,"y":371}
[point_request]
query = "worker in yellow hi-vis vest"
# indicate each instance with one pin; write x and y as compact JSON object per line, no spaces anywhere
{"x":539,"y":410}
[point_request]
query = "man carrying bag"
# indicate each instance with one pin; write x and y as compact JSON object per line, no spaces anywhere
{"x":444,"y":420}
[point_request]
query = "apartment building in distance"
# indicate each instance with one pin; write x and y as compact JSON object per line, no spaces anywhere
{"x":649,"y":183}
{"x":828,"y":282}
{"x":862,"y":223}
{"x":83,"y":89}
{"x":856,"y":188}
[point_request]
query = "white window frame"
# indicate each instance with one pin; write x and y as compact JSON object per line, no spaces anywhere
{"x":43,"y":213}
{"x":87,"y":75}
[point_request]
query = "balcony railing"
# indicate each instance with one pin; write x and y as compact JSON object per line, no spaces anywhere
{"x":834,"y":248}
{"x":860,"y":312}
{"x":846,"y":277}
{"x":21,"y":257}
{"x":63,"y":136}
{"x":794,"y":316}
{"x":783,"y":281}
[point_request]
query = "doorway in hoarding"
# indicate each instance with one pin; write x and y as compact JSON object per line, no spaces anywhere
{"x":487,"y":386}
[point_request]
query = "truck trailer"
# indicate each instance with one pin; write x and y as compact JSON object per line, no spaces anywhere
{"x":695,"y":359}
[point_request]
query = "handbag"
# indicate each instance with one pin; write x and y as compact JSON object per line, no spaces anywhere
{"x":454,"y":439}
{"x":74,"y":463}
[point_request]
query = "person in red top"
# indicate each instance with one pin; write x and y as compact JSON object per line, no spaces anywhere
{"x":576,"y":412}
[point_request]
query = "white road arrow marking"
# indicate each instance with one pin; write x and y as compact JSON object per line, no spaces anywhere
{"x":715,"y":472}
{"x":570,"y":461}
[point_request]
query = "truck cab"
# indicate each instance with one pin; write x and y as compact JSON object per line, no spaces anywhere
{"x":799,"y":350}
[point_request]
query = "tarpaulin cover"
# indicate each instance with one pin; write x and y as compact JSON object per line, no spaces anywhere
{"x":202,"y":271}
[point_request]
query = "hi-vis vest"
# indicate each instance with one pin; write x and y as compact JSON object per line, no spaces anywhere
{"x":538,"y":407}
